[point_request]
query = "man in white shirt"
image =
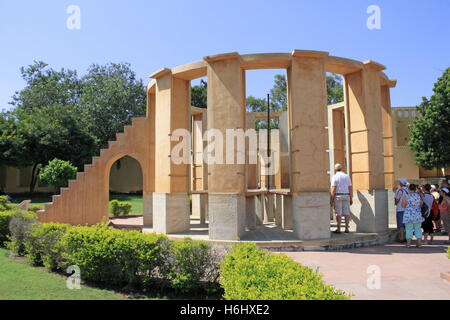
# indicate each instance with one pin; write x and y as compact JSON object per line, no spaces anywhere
{"x":402,"y":191}
{"x":341,"y":197}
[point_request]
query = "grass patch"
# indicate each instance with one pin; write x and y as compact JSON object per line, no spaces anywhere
{"x":19,"y":281}
{"x":137,"y":203}
{"x":40,"y":200}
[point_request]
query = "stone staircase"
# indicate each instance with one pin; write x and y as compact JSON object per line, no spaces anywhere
{"x":85,"y":200}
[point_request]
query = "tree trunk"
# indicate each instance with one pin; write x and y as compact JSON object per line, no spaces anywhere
{"x":34,"y":174}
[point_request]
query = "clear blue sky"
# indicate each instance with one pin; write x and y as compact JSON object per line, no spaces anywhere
{"x":413,"y":42}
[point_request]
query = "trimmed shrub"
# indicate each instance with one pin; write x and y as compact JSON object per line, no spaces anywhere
{"x":4,"y":204}
{"x":115,"y":256}
{"x":5,"y":218}
{"x":43,"y":246}
{"x":20,"y":227}
{"x":248,"y":273}
{"x":120,"y":208}
{"x":194,"y":265}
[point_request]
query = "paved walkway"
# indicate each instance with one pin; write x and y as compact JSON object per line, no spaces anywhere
{"x":412,"y":273}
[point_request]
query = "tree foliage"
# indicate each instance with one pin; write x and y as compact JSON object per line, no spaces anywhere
{"x":430,"y":130}
{"x":335,"y":89}
{"x":57,"y":172}
{"x":46,"y":87}
{"x":199,"y":95}
{"x":59,"y":115}
{"x":34,"y":137}
{"x":111,"y":95}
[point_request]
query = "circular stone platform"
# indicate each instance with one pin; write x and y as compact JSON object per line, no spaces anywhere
{"x":269,"y":236}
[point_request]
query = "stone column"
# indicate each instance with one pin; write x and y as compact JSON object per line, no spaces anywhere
{"x":150,"y":183}
{"x":226,"y":182}
{"x":369,"y":210}
{"x":388,"y":148}
{"x":307,"y":98}
{"x":199,"y":172}
{"x":170,"y":199}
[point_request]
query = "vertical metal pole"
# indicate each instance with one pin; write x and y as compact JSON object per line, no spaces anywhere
{"x":268,"y":141}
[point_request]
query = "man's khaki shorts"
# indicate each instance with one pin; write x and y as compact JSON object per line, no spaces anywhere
{"x":342,"y":205}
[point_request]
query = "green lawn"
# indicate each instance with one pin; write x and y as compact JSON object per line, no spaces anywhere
{"x":19,"y":281}
{"x":135,"y":200}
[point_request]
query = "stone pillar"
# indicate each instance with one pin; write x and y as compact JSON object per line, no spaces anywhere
{"x":278,"y":199}
{"x":388,"y":148}
{"x":149,"y":184}
{"x":170,"y":199}
{"x":259,"y":209}
{"x":226,"y":182}
{"x":370,"y":209}
{"x":339,"y":137}
{"x":307,"y":98}
{"x":336,"y":137}
{"x":199,"y":206}
{"x":268,"y":208}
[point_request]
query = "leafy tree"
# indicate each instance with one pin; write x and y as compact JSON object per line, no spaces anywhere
{"x":257,"y":105}
{"x":199,"y":95}
{"x":429,"y":131}
{"x":111,"y":95}
{"x":335,"y":89}
{"x":260,"y":105}
{"x":34,"y":137}
{"x":278,"y":93}
{"x":45,"y":87}
{"x":57,"y":173}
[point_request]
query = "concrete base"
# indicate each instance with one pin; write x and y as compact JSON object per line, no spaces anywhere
{"x":170,"y":213}
{"x":370,"y":211}
{"x":148,"y":209}
{"x":311,"y":215}
{"x":227,"y":217}
{"x":200,"y":206}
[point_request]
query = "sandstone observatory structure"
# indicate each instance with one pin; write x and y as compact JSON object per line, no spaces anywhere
{"x":356,"y":133}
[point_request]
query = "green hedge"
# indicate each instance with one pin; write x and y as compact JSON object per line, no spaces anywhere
{"x":120,"y":208}
{"x":44,"y":246}
{"x":119,"y":257}
{"x":4,"y":204}
{"x":248,"y":273}
{"x":5,"y":218}
{"x":115,"y":256}
{"x":152,"y":261}
{"x":193,"y":265}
